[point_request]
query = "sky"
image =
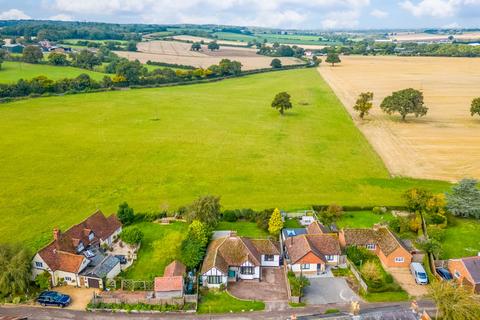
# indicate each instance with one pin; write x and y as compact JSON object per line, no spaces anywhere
{"x":295,"y":14}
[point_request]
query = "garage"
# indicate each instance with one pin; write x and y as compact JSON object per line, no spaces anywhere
{"x":93,"y":283}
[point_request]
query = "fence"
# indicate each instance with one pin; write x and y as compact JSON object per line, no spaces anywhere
{"x":357,"y":275}
{"x":136,"y":285}
{"x":133,"y":299}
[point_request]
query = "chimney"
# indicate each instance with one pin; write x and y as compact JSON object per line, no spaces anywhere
{"x":56,"y":234}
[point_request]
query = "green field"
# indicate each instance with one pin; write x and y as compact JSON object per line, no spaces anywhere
{"x":63,"y":157}
{"x":461,"y":238}
{"x":271,"y":37}
{"x":243,"y":229}
{"x":160,"y":246}
{"x":14,"y":71}
{"x":362,"y":219}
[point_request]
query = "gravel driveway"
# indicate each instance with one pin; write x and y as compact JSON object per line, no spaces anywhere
{"x":329,"y":290}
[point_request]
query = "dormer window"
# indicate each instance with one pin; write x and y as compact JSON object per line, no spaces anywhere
{"x":91,"y":236}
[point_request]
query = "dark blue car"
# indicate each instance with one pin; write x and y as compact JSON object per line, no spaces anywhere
{"x":444,"y":273}
{"x":52,"y":298}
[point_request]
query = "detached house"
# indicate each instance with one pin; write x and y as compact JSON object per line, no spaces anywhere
{"x":466,"y":271}
{"x":66,"y":260}
{"x":381,"y":241}
{"x":234,"y":258}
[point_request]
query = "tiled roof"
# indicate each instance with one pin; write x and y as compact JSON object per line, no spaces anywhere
{"x":317,"y":228}
{"x":176,"y":268}
{"x":473,"y":266}
{"x":381,"y":236}
{"x":60,"y":260}
{"x":165,"y":284}
{"x":318,"y":244}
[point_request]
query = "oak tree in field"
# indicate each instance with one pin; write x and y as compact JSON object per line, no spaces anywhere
{"x":32,"y":54}
{"x":58,"y":59}
{"x":212,"y":46}
{"x":275,"y":223}
{"x":332,"y":58}
{"x":276,"y":63}
{"x":281,"y":102}
{"x":405,"y":102}
{"x":196,"y":46}
{"x":454,"y":302}
{"x":475,"y":109}
{"x":364,"y":104}
{"x":132,"y":46}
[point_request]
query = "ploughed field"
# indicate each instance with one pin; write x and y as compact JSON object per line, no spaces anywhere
{"x":442,"y":145}
{"x":64,"y":157}
{"x":180,"y":53}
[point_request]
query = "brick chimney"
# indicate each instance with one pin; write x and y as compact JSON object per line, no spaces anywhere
{"x":56,"y":234}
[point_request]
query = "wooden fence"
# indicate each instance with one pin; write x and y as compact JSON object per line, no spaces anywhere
{"x":357,"y":275}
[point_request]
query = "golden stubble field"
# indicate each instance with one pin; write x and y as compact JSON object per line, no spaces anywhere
{"x":443,"y":145}
{"x":179,"y":53}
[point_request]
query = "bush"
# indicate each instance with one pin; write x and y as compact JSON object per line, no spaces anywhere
{"x":371,"y":273}
{"x":359,"y":255}
{"x":379,"y":210}
{"x":230,"y":216}
{"x":150,"y":216}
{"x":131,"y":235}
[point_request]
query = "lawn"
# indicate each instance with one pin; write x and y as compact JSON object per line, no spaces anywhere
{"x":386,"y":296}
{"x":160,"y":246}
{"x":461,"y":238}
{"x":12,"y":71}
{"x":63,"y":157}
{"x":244,"y":229}
{"x":362,"y":219}
{"x":213,"y":301}
{"x":292,"y":223}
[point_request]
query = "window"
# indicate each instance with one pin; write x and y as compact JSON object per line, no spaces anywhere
{"x":399,"y":259}
{"x":214,"y":279}
{"x":457,"y":274}
{"x":91,"y":236}
{"x":247,"y":270}
{"x":38,"y":264}
{"x":330,"y":258}
{"x":269,"y":257}
{"x":370,"y":246}
{"x":304,"y":266}
{"x":68,"y":279}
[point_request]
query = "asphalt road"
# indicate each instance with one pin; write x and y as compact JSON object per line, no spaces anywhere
{"x":41,"y":313}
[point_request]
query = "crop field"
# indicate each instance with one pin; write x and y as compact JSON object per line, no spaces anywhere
{"x":63,"y":157}
{"x":207,"y":40}
{"x":420,"y":36}
{"x":14,"y":71}
{"x":442,"y":145}
{"x":180,"y":53}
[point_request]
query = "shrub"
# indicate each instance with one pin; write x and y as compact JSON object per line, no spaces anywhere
{"x":359,"y":255}
{"x":230,"y":216}
{"x":371,"y":273}
{"x":131,"y":235}
{"x":379,"y":210}
{"x":43,"y":280}
{"x":125,"y":214}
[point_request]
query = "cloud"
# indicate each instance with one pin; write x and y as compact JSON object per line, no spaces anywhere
{"x":13,"y":14}
{"x":379,"y":13}
{"x":453,"y":25}
{"x":341,"y":20}
{"x":437,"y":8}
{"x":61,"y":17}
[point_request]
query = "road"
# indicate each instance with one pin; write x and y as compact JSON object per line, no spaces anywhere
{"x":41,"y":313}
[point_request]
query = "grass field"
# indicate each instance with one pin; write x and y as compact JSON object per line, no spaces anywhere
{"x":160,"y":246}
{"x":362,"y":219}
{"x":222,"y":302}
{"x":461,"y":238}
{"x":13,"y":71}
{"x":63,"y":157}
{"x":243,"y":229}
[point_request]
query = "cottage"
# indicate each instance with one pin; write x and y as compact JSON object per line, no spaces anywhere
{"x":466,"y":271}
{"x":171,"y":285}
{"x":234,"y":258}
{"x":74,"y":257}
{"x":380,"y":240}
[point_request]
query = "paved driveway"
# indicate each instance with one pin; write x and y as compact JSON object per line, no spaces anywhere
{"x":329,"y":290}
{"x":271,"y":288}
{"x":406,"y":281}
{"x":80,"y":296}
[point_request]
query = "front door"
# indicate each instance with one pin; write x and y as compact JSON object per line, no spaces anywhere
{"x":319,"y":268}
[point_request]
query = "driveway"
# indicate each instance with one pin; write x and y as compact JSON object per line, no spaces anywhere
{"x":80,"y":296}
{"x":406,"y":281}
{"x":328,"y":290}
{"x":271,"y":288}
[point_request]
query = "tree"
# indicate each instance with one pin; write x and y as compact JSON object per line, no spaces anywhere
{"x":125,"y":214}
{"x":196,"y":46}
{"x":131,"y":235}
{"x":454,"y":302}
{"x":276,"y":63}
{"x":332,"y":214}
{"x":475,"y":109}
{"x":131,"y":70}
{"x":281,"y":102}
{"x":58,"y":59}
{"x":332,"y":58}
{"x":86,"y":59}
{"x":212,"y":46}
{"x":132,"y":46}
{"x":198,"y":231}
{"x":464,"y":199}
{"x":316,"y":61}
{"x":43,"y":280}
{"x":275,"y":223}
{"x":194,"y":245}
{"x":407,"y":101}
{"x":206,"y":209}
{"x":15,"y":265}
{"x":3,"y":54}
{"x":226,"y":67}
{"x":416,"y":199}
{"x":32,"y":54}
{"x":364,"y":103}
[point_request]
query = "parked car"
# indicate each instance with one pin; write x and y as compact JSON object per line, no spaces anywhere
{"x":418,"y":273}
{"x":121,"y":258}
{"x":53,"y":298}
{"x":444,"y":273}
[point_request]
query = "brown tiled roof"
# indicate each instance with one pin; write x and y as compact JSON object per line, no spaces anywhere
{"x":318,"y":244}
{"x":174,"y":269}
{"x":165,"y":284}
{"x":234,"y":251}
{"x":61,"y":254}
{"x":472,"y":264}
{"x":317,"y":228}
{"x":382,"y":237}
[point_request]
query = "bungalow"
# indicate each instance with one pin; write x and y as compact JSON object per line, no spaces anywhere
{"x":380,"y":240}
{"x":171,"y":285}
{"x":233,"y":258}
{"x":66,"y":259}
{"x":466,"y":271}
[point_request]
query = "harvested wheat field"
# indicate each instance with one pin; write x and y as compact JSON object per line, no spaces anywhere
{"x":207,"y":40}
{"x":180,"y":53}
{"x":409,"y":36}
{"x":445,"y":144}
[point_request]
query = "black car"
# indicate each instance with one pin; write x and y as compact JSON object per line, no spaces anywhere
{"x":52,"y":298}
{"x":122,"y":259}
{"x":444,"y":273}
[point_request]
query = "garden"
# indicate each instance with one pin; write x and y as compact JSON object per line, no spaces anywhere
{"x":216,"y":301}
